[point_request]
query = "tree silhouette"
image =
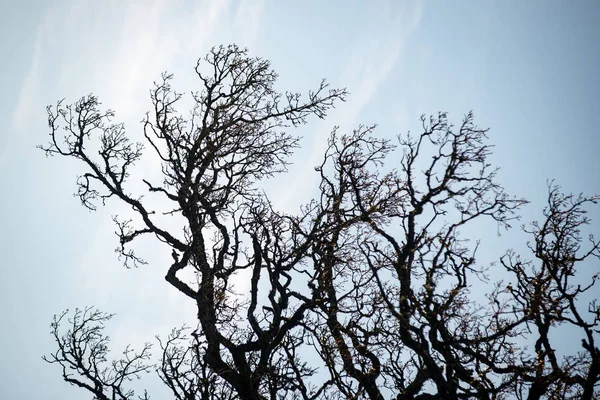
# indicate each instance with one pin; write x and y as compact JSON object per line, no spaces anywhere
{"x":365,"y":292}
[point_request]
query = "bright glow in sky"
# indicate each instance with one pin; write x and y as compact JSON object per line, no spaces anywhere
{"x":529,"y":70}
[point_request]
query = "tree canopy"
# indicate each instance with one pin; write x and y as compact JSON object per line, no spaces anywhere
{"x":366,"y":292}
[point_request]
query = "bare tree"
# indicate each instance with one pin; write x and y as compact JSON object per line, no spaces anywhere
{"x":82,"y":354}
{"x":366,"y":292}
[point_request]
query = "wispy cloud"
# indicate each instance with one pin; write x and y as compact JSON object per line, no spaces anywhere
{"x":118,"y":49}
{"x":247,"y":21}
{"x":26,"y":104}
{"x":366,"y":71}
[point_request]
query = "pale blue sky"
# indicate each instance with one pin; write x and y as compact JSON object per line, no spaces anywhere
{"x":529,"y":70}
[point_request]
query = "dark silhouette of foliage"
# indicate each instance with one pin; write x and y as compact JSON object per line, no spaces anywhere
{"x":366,"y":293}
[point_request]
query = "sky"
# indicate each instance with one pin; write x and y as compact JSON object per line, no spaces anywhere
{"x":528,"y":70}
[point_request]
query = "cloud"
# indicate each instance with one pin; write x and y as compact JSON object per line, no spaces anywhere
{"x":26,"y":104}
{"x":117,"y":50}
{"x":247,"y":20}
{"x":366,"y":71}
